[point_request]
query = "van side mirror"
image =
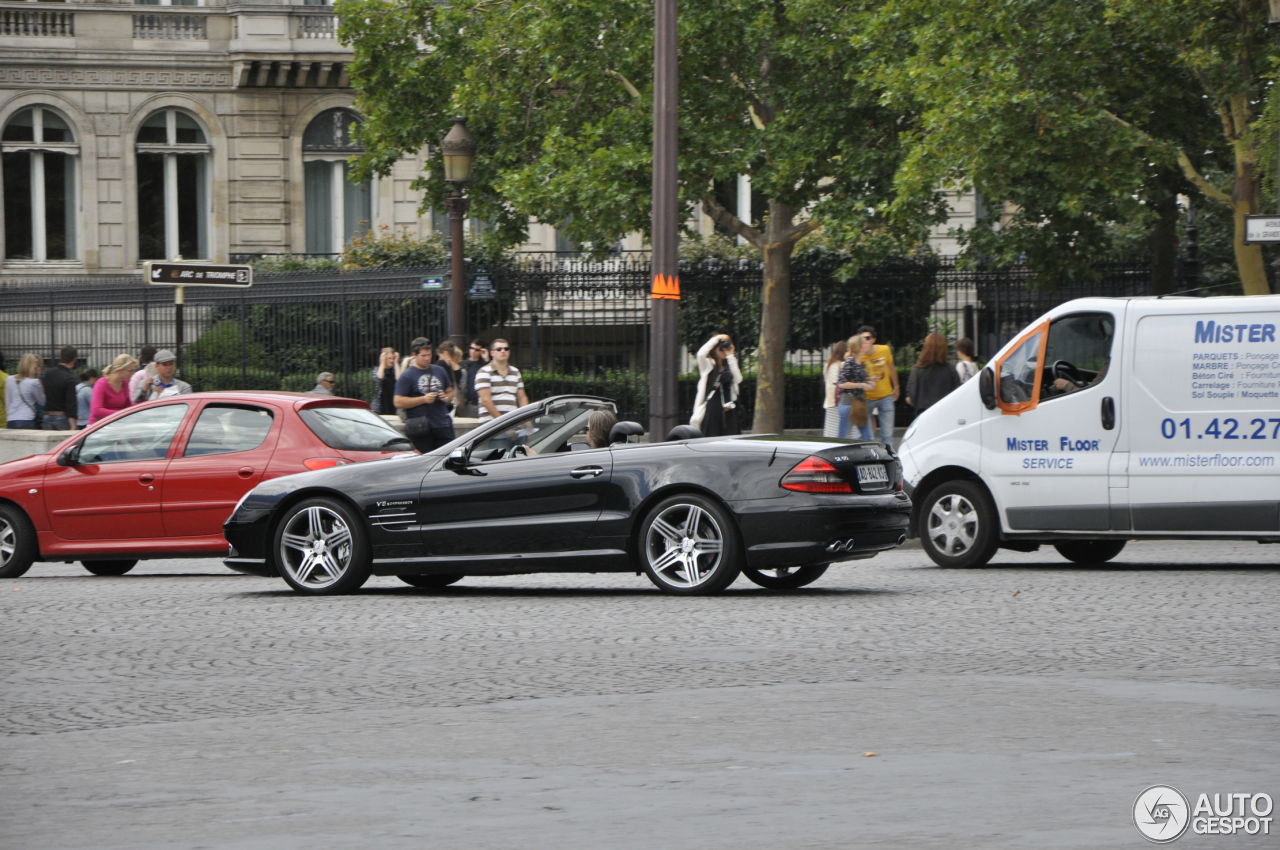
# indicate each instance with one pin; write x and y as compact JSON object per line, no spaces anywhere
{"x":457,"y":460}
{"x":987,"y":388}
{"x":70,"y":457}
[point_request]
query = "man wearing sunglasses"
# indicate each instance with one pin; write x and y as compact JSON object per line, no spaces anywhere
{"x":499,"y":386}
{"x":477,"y":357}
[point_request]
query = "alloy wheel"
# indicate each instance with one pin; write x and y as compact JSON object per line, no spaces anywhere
{"x":953,"y":525}
{"x":684,"y":545}
{"x":8,"y":542}
{"x":315,"y":547}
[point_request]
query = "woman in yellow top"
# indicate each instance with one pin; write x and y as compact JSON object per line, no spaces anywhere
{"x":878,"y":361}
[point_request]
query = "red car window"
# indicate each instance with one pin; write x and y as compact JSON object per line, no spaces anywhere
{"x":145,"y":435}
{"x":227,"y":428}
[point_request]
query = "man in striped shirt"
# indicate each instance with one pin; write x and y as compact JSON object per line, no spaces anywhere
{"x":498,"y":384}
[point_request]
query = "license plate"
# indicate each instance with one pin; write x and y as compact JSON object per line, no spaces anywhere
{"x":873,"y":475}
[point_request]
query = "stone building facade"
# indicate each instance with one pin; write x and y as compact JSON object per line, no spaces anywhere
{"x":132,"y":132}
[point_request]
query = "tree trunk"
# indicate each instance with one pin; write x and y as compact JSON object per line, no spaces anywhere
{"x":1244,"y":201}
{"x":775,"y":322}
{"x":1162,"y":242}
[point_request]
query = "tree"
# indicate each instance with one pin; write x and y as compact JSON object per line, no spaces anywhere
{"x":559,"y":96}
{"x":1083,"y":113}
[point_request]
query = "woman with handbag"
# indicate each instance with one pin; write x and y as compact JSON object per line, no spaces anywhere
{"x":24,"y":394}
{"x":715,"y":408}
{"x":852,"y":382}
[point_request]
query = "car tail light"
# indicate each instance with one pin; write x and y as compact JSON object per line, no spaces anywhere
{"x":324,"y":462}
{"x":815,"y":475}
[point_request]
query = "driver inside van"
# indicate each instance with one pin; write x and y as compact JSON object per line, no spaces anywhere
{"x":1062,"y":386}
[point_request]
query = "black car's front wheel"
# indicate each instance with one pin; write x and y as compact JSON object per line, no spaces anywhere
{"x":322,"y":549}
{"x":786,"y":578}
{"x":689,"y":546}
{"x":110,"y":568}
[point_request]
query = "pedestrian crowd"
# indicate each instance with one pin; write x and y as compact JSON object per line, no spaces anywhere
{"x":65,"y":398}
{"x":862,"y":386}
{"x":432,"y":386}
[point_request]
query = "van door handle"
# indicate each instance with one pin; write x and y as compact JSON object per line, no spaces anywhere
{"x":1108,"y":413}
{"x":586,"y":472}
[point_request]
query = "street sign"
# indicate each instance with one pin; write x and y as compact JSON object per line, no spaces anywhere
{"x":482,"y":285}
{"x":433,"y":283}
{"x":196,"y":274}
{"x":1261,"y":229}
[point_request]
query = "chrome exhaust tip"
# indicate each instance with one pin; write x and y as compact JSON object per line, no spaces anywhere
{"x":902,"y":538}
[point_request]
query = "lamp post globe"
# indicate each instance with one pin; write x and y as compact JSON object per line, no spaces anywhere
{"x":458,"y":150}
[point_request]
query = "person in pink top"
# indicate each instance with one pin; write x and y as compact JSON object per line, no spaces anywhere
{"x":111,"y":392}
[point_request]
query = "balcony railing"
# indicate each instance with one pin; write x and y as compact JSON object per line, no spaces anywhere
{"x":317,"y":26}
{"x":171,"y":27}
{"x":37,"y":23}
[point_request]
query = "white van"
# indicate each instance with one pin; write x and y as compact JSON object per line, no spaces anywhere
{"x":1106,"y":420}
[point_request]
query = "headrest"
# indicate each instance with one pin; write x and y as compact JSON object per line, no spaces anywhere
{"x":683,"y":432}
{"x":621,"y":431}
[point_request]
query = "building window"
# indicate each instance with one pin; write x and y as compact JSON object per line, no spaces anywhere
{"x":168,"y":2}
{"x":173,"y":187}
{"x":40,"y":207}
{"x":337,"y":208}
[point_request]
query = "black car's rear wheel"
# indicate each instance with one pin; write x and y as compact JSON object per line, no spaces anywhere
{"x":786,"y":578}
{"x":110,"y":568}
{"x":689,"y":546}
{"x":321,"y":548}
{"x":1090,"y":551}
{"x":17,"y":542}
{"x":430,"y":582}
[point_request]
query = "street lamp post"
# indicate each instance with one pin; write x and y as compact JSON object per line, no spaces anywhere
{"x":664,"y":347}
{"x":459,"y":150}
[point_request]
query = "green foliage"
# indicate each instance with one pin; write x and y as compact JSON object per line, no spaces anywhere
{"x":214,"y":378}
{"x":294,"y":263}
{"x":387,"y":249}
{"x":896,"y":297}
{"x":223,"y":345}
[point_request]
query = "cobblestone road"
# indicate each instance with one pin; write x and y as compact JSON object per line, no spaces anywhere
{"x":1017,"y":706}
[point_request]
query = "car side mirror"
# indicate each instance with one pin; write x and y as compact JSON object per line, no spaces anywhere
{"x":70,"y":457}
{"x":987,"y":388}
{"x":457,"y":460}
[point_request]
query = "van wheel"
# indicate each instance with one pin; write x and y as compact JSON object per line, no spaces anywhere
{"x":958,"y":525}
{"x":1090,"y":551}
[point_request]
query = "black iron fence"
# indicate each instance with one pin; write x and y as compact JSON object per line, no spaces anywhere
{"x":574,"y":325}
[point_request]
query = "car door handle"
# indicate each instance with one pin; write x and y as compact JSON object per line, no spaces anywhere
{"x":245,"y":471}
{"x":1108,"y":413}
{"x":586,"y":472}
{"x":146,"y":478}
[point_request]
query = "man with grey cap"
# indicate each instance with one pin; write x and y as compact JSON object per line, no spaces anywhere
{"x":165,"y":384}
{"x":324,"y":384}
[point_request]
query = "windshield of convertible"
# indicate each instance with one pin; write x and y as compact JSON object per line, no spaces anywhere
{"x":353,"y":429}
{"x":561,"y":428}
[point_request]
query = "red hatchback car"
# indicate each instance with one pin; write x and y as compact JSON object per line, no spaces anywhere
{"x":159,"y":479}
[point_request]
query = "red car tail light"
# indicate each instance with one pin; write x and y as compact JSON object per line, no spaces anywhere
{"x":324,"y":462}
{"x":815,"y":475}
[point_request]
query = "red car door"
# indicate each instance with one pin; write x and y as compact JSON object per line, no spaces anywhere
{"x":113,"y":490}
{"x":220,"y":460}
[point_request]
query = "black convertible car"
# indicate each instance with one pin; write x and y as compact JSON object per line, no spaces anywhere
{"x":545,"y":489}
